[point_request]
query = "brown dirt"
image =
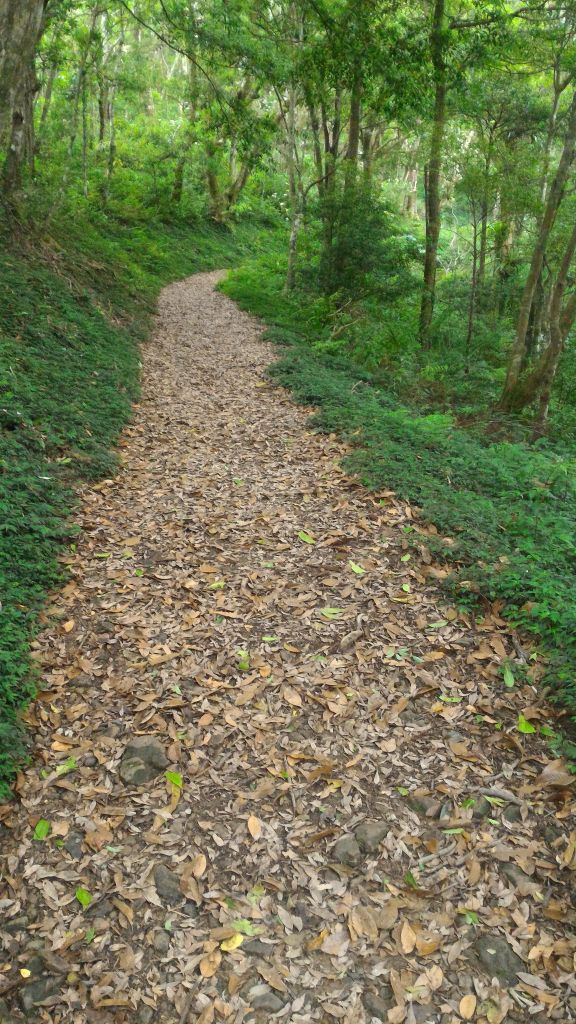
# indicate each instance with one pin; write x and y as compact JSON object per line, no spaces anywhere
{"x":236,"y":597}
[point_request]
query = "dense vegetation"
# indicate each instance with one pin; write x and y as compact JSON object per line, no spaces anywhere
{"x":396,"y":181}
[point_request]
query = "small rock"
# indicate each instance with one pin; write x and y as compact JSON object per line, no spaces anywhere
{"x":35,"y":965}
{"x":376,"y":1005}
{"x":482,"y":808}
{"x":37,"y":991}
{"x":512,"y":814}
{"x":446,"y":811}
{"x":161,"y":941}
{"x":111,"y":729}
{"x":145,"y":1015}
{"x":143,"y":759}
{"x":497,"y":958}
{"x":5,"y":1017}
{"x":347,"y":851}
{"x":90,"y":761}
{"x":519,"y":879}
{"x":370,"y":834}
{"x":190,"y":909}
{"x":425,"y":805}
{"x":167,"y":884}
{"x":15,"y":924}
{"x":102,"y":909}
{"x":257,"y":947}
{"x":73,"y":845}
{"x":263,"y":998}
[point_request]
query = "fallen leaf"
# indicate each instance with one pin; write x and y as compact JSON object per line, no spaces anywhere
{"x":407,"y":937}
{"x":254,"y":826}
{"x":209,"y":964}
{"x":467,"y":1006}
{"x":292,"y":696}
{"x":199,"y":864}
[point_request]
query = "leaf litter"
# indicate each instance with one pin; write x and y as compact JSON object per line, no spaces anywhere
{"x":277,"y":776}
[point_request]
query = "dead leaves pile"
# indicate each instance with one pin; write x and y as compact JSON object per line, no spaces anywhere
{"x":358,"y":819}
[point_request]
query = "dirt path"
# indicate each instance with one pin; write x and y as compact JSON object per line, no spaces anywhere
{"x":352,"y":827}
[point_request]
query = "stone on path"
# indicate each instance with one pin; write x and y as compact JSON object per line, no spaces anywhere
{"x":347,"y":851}
{"x":370,"y":835}
{"x":167,"y":884}
{"x":494,"y":954}
{"x":143,"y":759}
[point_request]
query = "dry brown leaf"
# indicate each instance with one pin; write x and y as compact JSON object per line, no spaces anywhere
{"x":555,"y":774}
{"x":336,"y":943}
{"x":209,"y":964}
{"x":272,"y":976}
{"x":124,"y":909}
{"x":292,"y":696}
{"x":407,"y":937}
{"x":388,"y":915}
{"x":254,"y":826}
{"x":467,"y":1007}
{"x":362,"y":922}
{"x":199,"y":864}
{"x":427,"y":944}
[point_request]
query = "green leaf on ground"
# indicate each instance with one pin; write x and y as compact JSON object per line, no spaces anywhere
{"x":84,"y":897}
{"x":523,"y":725}
{"x":306,"y":538}
{"x":42,"y":829}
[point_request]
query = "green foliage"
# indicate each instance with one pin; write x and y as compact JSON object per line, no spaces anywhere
{"x":509,"y":510}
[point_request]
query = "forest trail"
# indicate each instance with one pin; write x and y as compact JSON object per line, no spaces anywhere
{"x":352,"y":828}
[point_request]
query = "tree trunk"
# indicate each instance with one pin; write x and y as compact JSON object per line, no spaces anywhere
{"x":353,"y":148}
{"x":473,"y":288}
{"x":484,"y":218}
{"x":84,"y":138}
{"x":517,"y":354}
{"x":432,"y":175}
{"x":47,"y":103}
{"x":540,"y":380}
{"x":21,"y":26}
{"x":367,"y":154}
{"x":296,"y":215}
{"x":316,"y":145}
{"x":409,"y":205}
{"x":111,"y":151}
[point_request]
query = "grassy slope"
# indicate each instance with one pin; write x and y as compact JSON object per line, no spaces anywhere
{"x":71,"y":318}
{"x":509,"y":510}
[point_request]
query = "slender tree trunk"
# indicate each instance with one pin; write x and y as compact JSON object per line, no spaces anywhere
{"x":84,"y":138}
{"x":216,"y":197}
{"x":296,"y":213}
{"x":484,"y":218}
{"x":541,"y":378}
{"x":473,"y":288}
{"x":316,"y":144}
{"x":46,"y":105}
{"x":353,"y":148}
{"x":367,"y":155}
{"x":178,"y":185}
{"x":555,"y":196}
{"x":432,"y":175}
{"x":411,"y":178}
{"x":111,"y":150}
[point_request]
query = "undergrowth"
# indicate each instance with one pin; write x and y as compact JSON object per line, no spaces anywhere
{"x":73,"y":308}
{"x":507,"y":511}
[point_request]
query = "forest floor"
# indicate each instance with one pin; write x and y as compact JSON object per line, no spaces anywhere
{"x":277,"y":775}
